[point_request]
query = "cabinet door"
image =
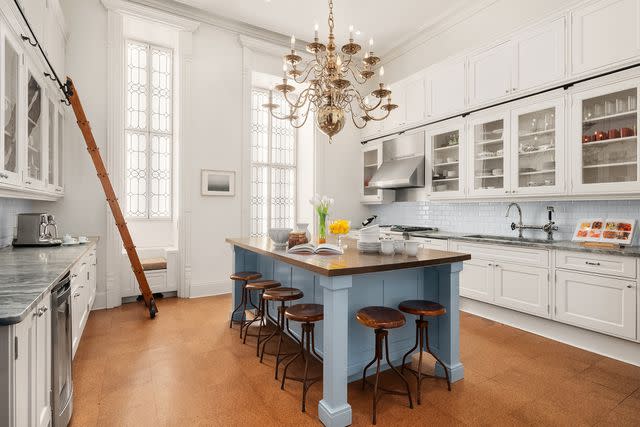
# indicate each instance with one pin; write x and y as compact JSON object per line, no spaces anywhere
{"x":371,"y":161}
{"x":604,"y":34}
{"x":447,"y":160}
{"x":540,"y":56}
{"x":488,"y":155}
{"x":51,"y":144}
{"x":43,"y":363}
{"x":604,"y":139}
{"x":25,"y":371}
{"x":397,"y":117}
{"x":35,"y":144}
{"x":10,"y":64}
{"x":490,"y":74}
{"x":599,"y":303}
{"x":538,"y":156}
{"x":522,"y":288}
{"x":59,"y":152}
{"x":447,"y":83}
{"x":415,"y":99}
{"x":476,"y":280}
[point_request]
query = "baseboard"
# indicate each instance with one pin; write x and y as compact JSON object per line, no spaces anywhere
{"x":209,"y":289}
{"x":605,"y":345}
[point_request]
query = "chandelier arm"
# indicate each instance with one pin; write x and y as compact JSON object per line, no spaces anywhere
{"x":353,"y":119}
{"x":309,"y":67}
{"x":306,"y":116}
{"x":363,"y":106}
{"x":295,"y":105}
{"x":355,"y":76}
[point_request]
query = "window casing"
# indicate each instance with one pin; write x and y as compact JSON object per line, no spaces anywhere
{"x":148,"y":132}
{"x":273,"y":166}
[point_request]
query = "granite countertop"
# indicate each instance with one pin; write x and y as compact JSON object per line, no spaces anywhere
{"x":27,"y":274}
{"x":352,"y":261}
{"x":566,"y":245}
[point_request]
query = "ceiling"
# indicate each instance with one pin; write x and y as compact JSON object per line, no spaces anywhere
{"x":387,"y":22}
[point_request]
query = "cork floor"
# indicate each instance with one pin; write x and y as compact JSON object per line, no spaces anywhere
{"x":187,"y":368}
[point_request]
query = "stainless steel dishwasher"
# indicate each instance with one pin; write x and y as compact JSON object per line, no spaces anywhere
{"x":61,"y":381}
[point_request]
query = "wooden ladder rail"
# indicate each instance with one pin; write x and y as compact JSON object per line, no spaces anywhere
{"x":103,"y":176}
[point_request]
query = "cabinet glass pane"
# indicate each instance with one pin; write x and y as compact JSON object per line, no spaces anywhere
{"x":488,"y":155}
{"x":370,"y":168}
{"x":446,"y":162}
{"x":10,"y":107}
{"x":34,"y":129}
{"x":609,"y":138}
{"x":60,"y":142}
{"x":52,"y":142}
{"x":537,"y":148}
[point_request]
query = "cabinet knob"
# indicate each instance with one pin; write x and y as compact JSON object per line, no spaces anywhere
{"x":74,"y":275}
{"x":76,"y":295}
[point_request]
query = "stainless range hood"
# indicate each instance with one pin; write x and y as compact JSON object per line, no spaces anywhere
{"x":403,"y":163}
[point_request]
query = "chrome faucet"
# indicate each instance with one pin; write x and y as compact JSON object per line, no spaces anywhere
{"x":548,"y":228}
{"x":520,"y":226}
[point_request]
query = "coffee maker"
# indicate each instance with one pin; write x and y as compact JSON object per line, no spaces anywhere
{"x":37,"y":229}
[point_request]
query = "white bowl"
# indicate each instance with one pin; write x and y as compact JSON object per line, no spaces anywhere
{"x":279,"y":236}
{"x":411,"y":247}
{"x":398,"y":246}
{"x":496,"y":172}
{"x":369,"y":238}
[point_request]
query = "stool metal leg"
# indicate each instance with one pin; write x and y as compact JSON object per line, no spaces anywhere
{"x":446,"y":371}
{"x":259,"y":316}
{"x":412,"y":350}
{"x":404,"y":380}
{"x":242,"y":302}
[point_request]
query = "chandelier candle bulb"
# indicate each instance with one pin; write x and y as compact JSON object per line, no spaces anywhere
{"x":351,"y":33}
{"x":315,"y":30}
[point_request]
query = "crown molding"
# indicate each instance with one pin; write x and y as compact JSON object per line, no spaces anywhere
{"x":149,"y":12}
{"x":192,"y":13}
{"x":434,"y":27}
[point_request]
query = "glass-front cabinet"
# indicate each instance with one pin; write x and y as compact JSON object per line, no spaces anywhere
{"x":606,"y":139}
{"x":59,"y":152}
{"x":537,"y":158}
{"x":10,"y":60}
{"x":447,"y":161}
{"x":371,"y":161}
{"x":489,"y":155}
{"x":51,"y":144}
{"x":34,"y":172}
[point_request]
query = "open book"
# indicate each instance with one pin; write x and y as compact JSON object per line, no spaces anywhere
{"x":322,"y":249}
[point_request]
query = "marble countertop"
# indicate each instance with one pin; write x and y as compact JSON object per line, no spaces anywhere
{"x":567,"y":245}
{"x":27,"y":274}
{"x":352,"y":261}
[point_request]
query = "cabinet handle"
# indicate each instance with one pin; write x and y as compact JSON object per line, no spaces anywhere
{"x":74,"y":275}
{"x":58,"y":190}
{"x":592,"y":263}
{"x":514,"y":89}
{"x":629,"y":286}
{"x":490,"y":264}
{"x":76,"y":295}
{"x":28,"y":182}
{"x":496,"y":265}
{"x":4,"y":175}
{"x":84,"y":263}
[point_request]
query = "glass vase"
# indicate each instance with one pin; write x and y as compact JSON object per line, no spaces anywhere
{"x":322,"y":228}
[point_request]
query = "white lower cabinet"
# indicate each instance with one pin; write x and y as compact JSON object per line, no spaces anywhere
{"x":476,"y":280}
{"x":43,"y":349}
{"x":599,"y":303}
{"x":83,"y":293}
{"x":522,"y":288}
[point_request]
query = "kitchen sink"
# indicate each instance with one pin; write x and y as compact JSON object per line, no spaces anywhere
{"x":508,"y":238}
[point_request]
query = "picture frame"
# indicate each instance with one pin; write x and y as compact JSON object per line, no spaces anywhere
{"x":218,"y":183}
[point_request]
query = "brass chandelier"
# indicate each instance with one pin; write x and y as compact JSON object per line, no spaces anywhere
{"x":329,"y":91}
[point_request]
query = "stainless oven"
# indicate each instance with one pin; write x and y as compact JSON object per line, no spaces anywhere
{"x":61,"y":354}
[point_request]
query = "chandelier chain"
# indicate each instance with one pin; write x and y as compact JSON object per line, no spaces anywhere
{"x":330,"y":20}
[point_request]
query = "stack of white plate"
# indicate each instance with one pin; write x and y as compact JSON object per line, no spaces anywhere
{"x":369,"y":234}
{"x":369,"y":247}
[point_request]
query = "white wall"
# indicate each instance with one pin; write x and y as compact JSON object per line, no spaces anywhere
{"x":215,"y":124}
{"x":496,"y":20}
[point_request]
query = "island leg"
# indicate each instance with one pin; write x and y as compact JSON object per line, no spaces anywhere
{"x":449,"y":324}
{"x":333,"y":409}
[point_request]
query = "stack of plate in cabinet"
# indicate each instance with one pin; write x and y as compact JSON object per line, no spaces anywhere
{"x":369,"y":239}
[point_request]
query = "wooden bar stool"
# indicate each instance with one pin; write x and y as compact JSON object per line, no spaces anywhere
{"x":382,"y":319}
{"x":281,"y":294}
{"x":423,"y":308}
{"x":307,"y":314}
{"x":261,"y":286}
{"x":245,"y":277}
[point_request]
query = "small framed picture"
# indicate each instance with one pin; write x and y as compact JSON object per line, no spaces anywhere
{"x":218,"y":183}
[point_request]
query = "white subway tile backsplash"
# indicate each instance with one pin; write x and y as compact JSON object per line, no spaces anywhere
{"x":9,"y":208}
{"x":489,"y":217}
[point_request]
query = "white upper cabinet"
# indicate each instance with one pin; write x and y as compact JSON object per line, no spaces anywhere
{"x":604,"y":139}
{"x":415,"y":99}
{"x":537,"y":160}
{"x":445,"y":160}
{"x":447,"y":84}
{"x":490,"y":74}
{"x":11,"y":65}
{"x":540,"y":56}
{"x":604,"y":34}
{"x":34,"y":169}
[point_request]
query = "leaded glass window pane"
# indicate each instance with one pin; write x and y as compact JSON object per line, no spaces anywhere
{"x":137,"y":87}
{"x":136,"y":167}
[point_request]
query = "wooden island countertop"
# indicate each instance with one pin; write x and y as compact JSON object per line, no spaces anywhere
{"x":352,"y":261}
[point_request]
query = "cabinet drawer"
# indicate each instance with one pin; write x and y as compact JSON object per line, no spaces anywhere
{"x":499,"y":253}
{"x":157,"y":280}
{"x":602,"y":304}
{"x":612,"y":265}
{"x":427,"y":243}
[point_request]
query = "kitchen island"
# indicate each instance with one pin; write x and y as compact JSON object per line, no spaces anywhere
{"x":344,"y":284}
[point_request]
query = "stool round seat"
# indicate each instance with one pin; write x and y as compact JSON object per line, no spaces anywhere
{"x":422,"y":308}
{"x":246,"y":276}
{"x":282,"y":294}
{"x":305,"y":312}
{"x":262,"y":285}
{"x":380,"y":317}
